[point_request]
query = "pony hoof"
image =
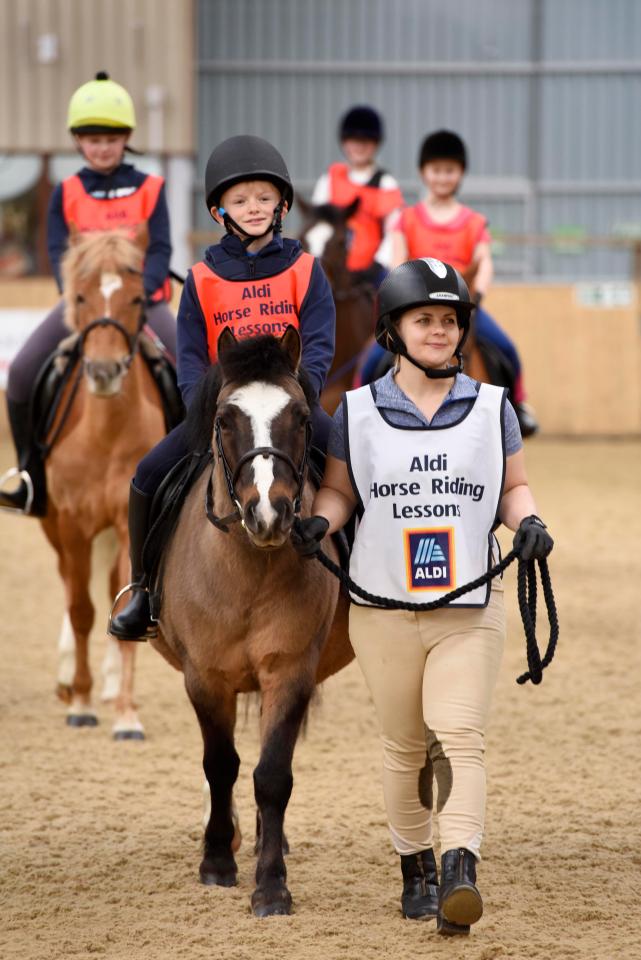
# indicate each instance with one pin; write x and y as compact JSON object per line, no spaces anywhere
{"x":128,"y":735}
{"x":275,"y":904}
{"x":217,"y":876}
{"x":82,"y":720}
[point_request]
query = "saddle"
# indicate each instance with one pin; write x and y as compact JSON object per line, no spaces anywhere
{"x":168,"y":502}
{"x":60,"y":367}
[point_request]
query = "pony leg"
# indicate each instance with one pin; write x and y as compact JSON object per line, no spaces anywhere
{"x":127,"y":725}
{"x":66,"y":660}
{"x":215,"y":708}
{"x":283,"y":708}
{"x":111,"y":671}
{"x":75,"y":567}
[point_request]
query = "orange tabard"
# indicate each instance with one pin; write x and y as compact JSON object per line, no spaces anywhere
{"x":367,"y":223}
{"x":453,"y":244}
{"x":89,"y":213}
{"x":251,"y":307}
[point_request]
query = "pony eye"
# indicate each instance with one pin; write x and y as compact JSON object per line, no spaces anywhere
{"x":136,"y":300}
{"x":80,"y":298}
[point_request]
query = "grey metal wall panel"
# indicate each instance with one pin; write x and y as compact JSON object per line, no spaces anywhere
{"x":543,"y":91}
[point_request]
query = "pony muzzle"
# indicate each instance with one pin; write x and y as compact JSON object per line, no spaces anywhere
{"x":268,"y":529}
{"x":105,"y":377}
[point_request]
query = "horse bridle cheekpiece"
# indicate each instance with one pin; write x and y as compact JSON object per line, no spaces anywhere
{"x":231,"y":476}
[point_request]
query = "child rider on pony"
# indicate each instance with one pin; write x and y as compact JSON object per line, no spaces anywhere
{"x":254,"y":282}
{"x":440,"y":226}
{"x":105,"y":194}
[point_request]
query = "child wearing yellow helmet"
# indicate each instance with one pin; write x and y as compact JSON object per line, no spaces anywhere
{"x":106,"y":194}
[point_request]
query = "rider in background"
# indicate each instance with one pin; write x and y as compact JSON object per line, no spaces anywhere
{"x":106,"y":194}
{"x":253,"y":282}
{"x":360,"y":134}
{"x":442,"y":227}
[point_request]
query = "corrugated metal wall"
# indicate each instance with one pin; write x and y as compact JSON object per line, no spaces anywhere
{"x":545,"y":92}
{"x":49,"y":47}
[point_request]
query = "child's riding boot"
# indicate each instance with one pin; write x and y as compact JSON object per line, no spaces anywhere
{"x":134,"y":621}
{"x":420,"y":886}
{"x":459,"y":902}
{"x":30,"y":496}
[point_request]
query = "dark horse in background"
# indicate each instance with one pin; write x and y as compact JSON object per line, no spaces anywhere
{"x":241,"y":611}
{"x":354,"y":297}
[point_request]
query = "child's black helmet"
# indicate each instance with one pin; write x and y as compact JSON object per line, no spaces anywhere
{"x":442,"y":145}
{"x":245,"y":158}
{"x":419,"y":282}
{"x":361,"y":123}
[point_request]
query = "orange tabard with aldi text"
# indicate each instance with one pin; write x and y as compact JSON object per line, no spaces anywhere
{"x":251,"y":307}
{"x":375,"y":204}
{"x":90,"y":213}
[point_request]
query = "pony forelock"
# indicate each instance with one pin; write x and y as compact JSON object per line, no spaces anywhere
{"x":254,"y":359}
{"x":93,"y":253}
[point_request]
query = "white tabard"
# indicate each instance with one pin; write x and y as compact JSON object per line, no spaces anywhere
{"x":429,"y":498}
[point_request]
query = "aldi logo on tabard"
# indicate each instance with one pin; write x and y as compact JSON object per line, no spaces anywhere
{"x":429,"y":559}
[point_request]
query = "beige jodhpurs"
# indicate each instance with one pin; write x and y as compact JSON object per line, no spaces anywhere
{"x":431,"y":677}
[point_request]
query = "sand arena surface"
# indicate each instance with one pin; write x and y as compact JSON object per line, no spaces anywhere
{"x":100,"y":841}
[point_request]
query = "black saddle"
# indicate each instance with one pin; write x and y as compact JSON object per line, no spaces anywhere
{"x":61,"y":367}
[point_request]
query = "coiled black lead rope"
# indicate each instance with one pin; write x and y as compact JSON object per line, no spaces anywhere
{"x":527,"y":593}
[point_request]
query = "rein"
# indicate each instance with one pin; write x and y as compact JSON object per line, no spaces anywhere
{"x":231,"y":477}
{"x":78,"y":355}
{"x":527,"y":594}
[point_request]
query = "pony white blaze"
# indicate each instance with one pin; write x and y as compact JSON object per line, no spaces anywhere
{"x":109,"y":283}
{"x":262,"y":402}
{"x":317,"y":237}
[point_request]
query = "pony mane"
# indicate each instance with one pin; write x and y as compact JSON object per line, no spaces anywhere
{"x":256,"y":358}
{"x":109,"y":251}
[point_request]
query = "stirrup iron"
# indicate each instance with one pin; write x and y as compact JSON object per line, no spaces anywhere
{"x":26,"y":479}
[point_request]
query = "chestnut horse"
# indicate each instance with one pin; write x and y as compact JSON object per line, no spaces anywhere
{"x":109,"y":416}
{"x":325,"y":233}
{"x":241,"y":611}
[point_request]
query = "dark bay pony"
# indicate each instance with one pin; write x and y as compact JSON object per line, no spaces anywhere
{"x":241,"y":611}
{"x":109,"y":417}
{"x":325,"y":234}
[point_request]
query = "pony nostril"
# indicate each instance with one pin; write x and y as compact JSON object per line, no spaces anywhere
{"x":285,"y":512}
{"x":250,"y":516}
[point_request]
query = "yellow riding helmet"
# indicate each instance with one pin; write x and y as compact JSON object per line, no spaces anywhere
{"x":101,"y":106}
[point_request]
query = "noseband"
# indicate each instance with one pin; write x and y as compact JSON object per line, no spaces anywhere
{"x":131,"y":338}
{"x":231,"y":476}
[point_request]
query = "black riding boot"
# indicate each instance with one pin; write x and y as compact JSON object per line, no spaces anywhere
{"x":420,"y":886}
{"x":30,"y":461}
{"x":134,"y":621}
{"x":459,"y":902}
{"x":527,"y":421}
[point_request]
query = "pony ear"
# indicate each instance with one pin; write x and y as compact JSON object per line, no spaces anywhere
{"x":225,"y":341}
{"x":141,"y":236}
{"x":291,"y":346}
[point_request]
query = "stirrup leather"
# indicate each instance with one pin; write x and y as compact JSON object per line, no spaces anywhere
{"x":24,"y":476}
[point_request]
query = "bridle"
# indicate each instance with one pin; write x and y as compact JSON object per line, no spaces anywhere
{"x":231,"y":476}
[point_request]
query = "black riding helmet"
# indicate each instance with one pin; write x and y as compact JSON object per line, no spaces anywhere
{"x":419,"y":282}
{"x":442,"y":145}
{"x":361,"y":123}
{"x":245,"y":158}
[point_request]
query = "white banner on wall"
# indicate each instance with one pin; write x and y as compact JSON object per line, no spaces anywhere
{"x":15,"y":327}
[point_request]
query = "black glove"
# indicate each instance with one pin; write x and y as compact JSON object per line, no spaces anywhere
{"x":307,"y":534}
{"x":532,"y":539}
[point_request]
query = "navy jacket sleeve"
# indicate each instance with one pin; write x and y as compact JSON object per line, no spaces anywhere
{"x":317,"y":324}
{"x":159,"y":250}
{"x":192,"y":355}
{"x":57,"y":233}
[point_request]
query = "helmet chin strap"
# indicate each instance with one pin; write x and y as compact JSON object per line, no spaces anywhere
{"x":441,"y":373}
{"x":248,"y":238}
